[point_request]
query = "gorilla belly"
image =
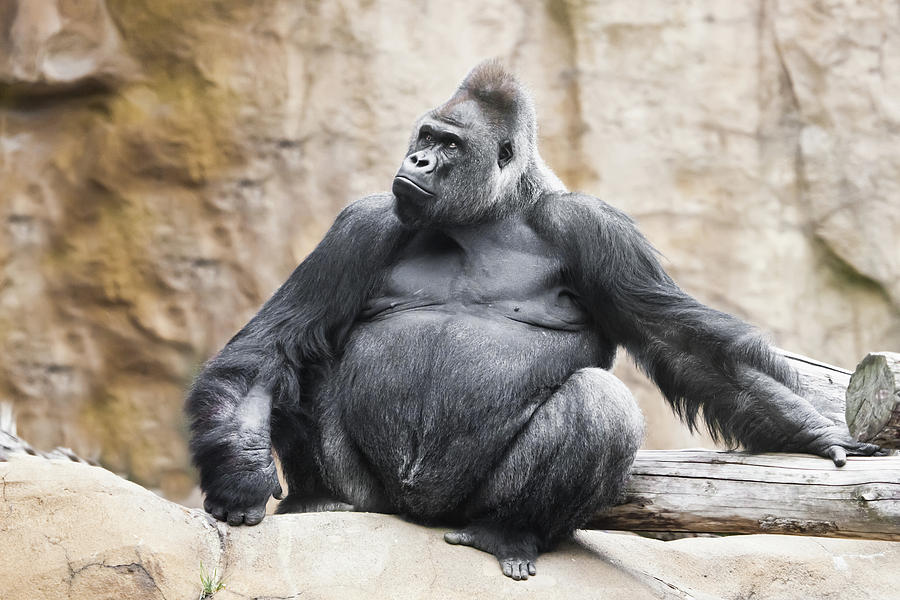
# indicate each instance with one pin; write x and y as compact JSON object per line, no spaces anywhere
{"x":432,"y":398}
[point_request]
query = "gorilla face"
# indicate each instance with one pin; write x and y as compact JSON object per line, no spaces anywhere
{"x":450,"y":173}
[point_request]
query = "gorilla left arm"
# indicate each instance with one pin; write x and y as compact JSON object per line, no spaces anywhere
{"x":699,"y":357}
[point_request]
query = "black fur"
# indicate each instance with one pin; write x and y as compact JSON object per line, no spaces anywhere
{"x":441,"y":353}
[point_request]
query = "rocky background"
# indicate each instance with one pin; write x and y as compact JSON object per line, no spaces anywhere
{"x":164,"y":165}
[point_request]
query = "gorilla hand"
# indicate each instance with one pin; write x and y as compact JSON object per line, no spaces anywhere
{"x":834,"y":443}
{"x":240,"y":488}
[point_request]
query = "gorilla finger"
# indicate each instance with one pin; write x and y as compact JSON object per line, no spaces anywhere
{"x":532,"y":569}
{"x":255,"y":515}
{"x":278,"y":493}
{"x":456,"y":537}
{"x":864,"y":449}
{"x":235,"y":518}
{"x":215,"y":510}
{"x":838,"y":455}
{"x":507,"y":568}
{"x":861,"y":449}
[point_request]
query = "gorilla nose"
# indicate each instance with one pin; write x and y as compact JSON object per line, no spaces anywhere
{"x":414,"y":179}
{"x":421,"y":161}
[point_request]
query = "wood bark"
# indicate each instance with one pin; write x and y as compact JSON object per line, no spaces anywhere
{"x":824,"y":385}
{"x":873,"y":400}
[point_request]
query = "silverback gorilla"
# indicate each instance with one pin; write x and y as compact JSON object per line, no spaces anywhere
{"x":444,"y":352}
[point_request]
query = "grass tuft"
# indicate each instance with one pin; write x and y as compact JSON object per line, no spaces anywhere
{"x":210,"y":583}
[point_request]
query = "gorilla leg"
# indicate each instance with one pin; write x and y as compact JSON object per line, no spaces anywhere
{"x":572,"y":458}
{"x":294,"y":439}
{"x":323,"y":469}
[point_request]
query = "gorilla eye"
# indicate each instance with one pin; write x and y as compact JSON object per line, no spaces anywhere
{"x":452,"y":145}
{"x":429,"y":138}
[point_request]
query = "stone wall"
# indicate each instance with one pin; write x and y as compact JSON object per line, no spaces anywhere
{"x":164,"y":165}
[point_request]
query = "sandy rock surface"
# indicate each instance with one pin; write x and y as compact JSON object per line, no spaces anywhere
{"x":73,"y":531}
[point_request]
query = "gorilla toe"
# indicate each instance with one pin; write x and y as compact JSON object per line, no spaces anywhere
{"x":515,"y":551}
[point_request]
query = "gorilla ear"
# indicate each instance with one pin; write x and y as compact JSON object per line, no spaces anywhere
{"x":506,"y":153}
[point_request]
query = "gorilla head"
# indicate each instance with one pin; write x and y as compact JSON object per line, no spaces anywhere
{"x":474,"y":158}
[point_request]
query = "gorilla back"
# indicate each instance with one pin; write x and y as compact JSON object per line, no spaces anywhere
{"x":443,"y":352}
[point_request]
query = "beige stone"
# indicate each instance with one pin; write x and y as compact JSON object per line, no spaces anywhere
{"x":76,"y":532}
{"x":164,"y":165}
{"x":69,"y":530}
{"x":56,"y":44}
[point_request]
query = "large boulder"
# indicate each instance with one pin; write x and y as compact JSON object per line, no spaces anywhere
{"x":74,"y":531}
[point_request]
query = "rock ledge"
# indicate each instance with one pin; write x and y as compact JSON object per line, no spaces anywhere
{"x":70,"y":530}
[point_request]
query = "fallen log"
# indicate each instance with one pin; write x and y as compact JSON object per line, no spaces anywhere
{"x":706,"y":491}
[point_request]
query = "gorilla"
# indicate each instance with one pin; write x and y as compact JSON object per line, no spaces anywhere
{"x":444,"y":352}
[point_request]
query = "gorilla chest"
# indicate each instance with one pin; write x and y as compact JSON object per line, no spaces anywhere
{"x":464,"y":336}
{"x":502,"y":273}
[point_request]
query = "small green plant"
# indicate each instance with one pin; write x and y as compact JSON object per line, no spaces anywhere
{"x":210,"y":583}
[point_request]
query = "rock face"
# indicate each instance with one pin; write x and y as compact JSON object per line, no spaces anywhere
{"x":164,"y":165}
{"x":73,"y":531}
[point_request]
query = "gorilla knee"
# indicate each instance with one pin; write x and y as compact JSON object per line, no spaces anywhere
{"x":608,"y":406}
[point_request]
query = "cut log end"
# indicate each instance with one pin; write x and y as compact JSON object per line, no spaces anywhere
{"x":873,"y":400}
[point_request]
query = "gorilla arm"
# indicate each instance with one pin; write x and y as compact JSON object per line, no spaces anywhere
{"x":305,"y":320}
{"x":699,"y":357}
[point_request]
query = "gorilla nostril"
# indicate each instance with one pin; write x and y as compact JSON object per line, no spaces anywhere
{"x":419,"y":160}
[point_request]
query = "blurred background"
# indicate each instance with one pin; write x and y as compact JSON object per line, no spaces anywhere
{"x":164,"y":165}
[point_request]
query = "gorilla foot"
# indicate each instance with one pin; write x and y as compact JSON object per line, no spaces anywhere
{"x":516,"y":551}
{"x":297,"y":504}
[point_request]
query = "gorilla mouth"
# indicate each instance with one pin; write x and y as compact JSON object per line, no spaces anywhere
{"x":409,"y":189}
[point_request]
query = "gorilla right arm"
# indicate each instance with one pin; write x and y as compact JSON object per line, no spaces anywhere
{"x":230,"y":403}
{"x":708,"y":364}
